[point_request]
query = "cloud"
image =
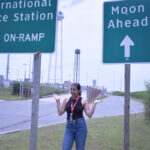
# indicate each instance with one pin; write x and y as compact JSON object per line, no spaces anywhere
{"x":70,"y":3}
{"x":76,"y":2}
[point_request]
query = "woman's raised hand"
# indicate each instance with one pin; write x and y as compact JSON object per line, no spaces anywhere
{"x":98,"y":101}
{"x":56,"y":97}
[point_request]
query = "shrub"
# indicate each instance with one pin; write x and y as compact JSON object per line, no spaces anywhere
{"x":118,"y":93}
{"x":139,"y":94}
{"x":26,"y":89}
{"x":16,"y":88}
{"x":147,"y":101}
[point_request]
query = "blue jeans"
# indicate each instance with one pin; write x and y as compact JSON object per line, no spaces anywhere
{"x":77,"y":132}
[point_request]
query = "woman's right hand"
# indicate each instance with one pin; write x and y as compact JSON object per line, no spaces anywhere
{"x":56,"y":97}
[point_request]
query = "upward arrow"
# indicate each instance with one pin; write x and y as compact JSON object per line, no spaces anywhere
{"x":127,"y":42}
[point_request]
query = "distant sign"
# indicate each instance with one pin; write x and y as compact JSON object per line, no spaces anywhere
{"x":126,"y":32}
{"x":27,"y":26}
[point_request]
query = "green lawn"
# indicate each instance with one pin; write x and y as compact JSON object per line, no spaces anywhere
{"x":103,"y":134}
{"x":6,"y":93}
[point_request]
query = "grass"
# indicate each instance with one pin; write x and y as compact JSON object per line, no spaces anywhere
{"x":103,"y":134}
{"x":6,"y":93}
{"x":49,"y":91}
{"x":137,"y":96}
{"x":91,"y":101}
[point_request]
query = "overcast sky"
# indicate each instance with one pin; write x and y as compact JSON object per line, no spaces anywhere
{"x":82,"y":29}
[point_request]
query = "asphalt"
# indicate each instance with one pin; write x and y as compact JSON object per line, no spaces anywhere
{"x":16,"y":115}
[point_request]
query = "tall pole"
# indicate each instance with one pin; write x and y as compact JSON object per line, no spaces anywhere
{"x":17,"y":75}
{"x":60,"y":18}
{"x":50,"y":58}
{"x":127,"y":107}
{"x":35,"y":101}
{"x":7,"y":69}
{"x":61,"y":51}
{"x":24,"y":71}
{"x":30,"y":67}
{"x":32,"y":70}
{"x":55,"y":65}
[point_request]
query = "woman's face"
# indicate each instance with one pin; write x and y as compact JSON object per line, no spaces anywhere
{"x":74,"y":91}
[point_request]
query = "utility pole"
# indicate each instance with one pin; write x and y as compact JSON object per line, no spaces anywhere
{"x":30,"y":67}
{"x":60,"y":18}
{"x":25,"y":71}
{"x":7,"y":69}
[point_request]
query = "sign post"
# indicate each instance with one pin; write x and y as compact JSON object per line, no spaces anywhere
{"x":127,"y":108}
{"x":35,"y":101}
{"x":126,"y":31}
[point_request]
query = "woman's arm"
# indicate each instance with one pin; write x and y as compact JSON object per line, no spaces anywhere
{"x":60,"y":108}
{"x":89,"y":112}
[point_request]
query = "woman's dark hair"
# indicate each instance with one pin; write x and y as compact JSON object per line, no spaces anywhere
{"x":78,"y":86}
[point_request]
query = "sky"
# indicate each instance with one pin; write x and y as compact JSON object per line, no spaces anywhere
{"x":82,"y":29}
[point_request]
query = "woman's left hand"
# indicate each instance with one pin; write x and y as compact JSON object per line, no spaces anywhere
{"x":98,"y":101}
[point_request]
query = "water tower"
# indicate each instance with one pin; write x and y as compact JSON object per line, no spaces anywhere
{"x":76,"y":73}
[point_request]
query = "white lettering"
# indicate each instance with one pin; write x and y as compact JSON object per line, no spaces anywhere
{"x":14,"y":5}
{"x":141,"y":8}
{"x":2,"y":5}
{"x":6,"y":37}
{"x":34,"y":16}
{"x":28,"y":37}
{"x":21,"y":37}
{"x":118,"y":23}
{"x":114,"y":10}
{"x":136,"y":23}
{"x":41,"y":36}
{"x":16,"y":18}
{"x":44,"y":3}
{"x":3,"y":18}
{"x":126,"y":10}
{"x":8,"y":5}
{"x":36,"y":3}
{"x":111,"y":24}
{"x":25,"y":4}
{"x":30,"y":4}
{"x":12,"y":37}
{"x":127,"y":23}
{"x":144,"y":22}
{"x":132,"y":9}
{"x":42,"y":16}
{"x":35,"y":37}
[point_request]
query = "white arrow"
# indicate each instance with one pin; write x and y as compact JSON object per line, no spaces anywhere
{"x":127,"y":42}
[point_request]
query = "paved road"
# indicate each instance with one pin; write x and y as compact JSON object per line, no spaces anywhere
{"x":16,"y":115}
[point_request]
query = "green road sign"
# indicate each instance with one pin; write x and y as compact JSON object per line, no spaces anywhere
{"x":126,"y":31}
{"x":27,"y":26}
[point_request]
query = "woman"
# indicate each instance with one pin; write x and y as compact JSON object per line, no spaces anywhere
{"x":76,"y":129}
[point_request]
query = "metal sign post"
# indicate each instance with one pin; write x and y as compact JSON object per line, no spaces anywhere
{"x":127,"y":107}
{"x":35,"y":101}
